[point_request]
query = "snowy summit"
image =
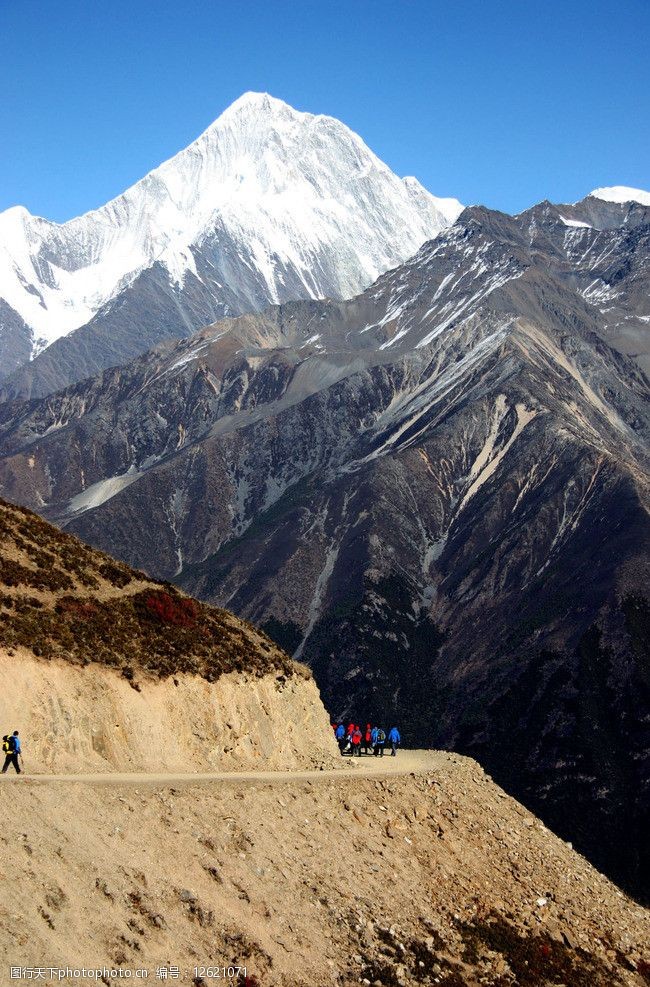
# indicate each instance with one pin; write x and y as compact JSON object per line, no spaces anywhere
{"x":622,"y":193}
{"x":296,"y":202}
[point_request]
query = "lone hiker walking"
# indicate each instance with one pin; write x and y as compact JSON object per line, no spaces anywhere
{"x":394,"y":740}
{"x":11,"y":749}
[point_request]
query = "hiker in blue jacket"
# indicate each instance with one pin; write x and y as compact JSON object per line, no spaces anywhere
{"x":394,"y":740}
{"x":339,"y":733}
{"x":378,"y":742}
{"x":12,"y":750}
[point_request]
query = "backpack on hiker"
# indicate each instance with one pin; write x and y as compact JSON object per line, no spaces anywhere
{"x":8,"y":745}
{"x":381,"y":737}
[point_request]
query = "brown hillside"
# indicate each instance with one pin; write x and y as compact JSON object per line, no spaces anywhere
{"x":102,"y":668}
{"x":61,"y":599}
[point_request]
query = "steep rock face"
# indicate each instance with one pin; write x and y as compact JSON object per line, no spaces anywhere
{"x":15,"y":340}
{"x":599,"y":249}
{"x":267,"y":205}
{"x":91,"y":719}
{"x":436,"y":493}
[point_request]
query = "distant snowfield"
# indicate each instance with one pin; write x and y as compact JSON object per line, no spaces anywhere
{"x":284,"y":185}
{"x":100,"y":492}
{"x":622,"y":193}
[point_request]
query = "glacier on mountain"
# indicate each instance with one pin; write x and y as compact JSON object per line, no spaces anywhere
{"x":622,"y":193}
{"x":293,"y":191}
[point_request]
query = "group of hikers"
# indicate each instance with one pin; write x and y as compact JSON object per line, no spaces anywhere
{"x":11,"y":750}
{"x":352,"y":739}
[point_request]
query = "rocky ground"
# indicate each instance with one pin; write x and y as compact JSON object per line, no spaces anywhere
{"x":362,"y":876}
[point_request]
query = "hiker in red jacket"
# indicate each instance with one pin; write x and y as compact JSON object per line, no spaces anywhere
{"x":357,"y":737}
{"x":368,"y":739}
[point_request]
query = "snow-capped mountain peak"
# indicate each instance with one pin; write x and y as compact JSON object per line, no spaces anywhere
{"x":296,"y":200}
{"x":622,"y":193}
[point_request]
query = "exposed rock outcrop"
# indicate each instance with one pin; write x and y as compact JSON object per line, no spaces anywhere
{"x":92,"y":719}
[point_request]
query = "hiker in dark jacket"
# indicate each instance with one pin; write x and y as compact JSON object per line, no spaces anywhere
{"x":394,"y":740}
{"x":11,"y":749}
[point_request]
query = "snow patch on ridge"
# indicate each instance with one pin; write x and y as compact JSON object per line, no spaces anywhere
{"x":99,"y":493}
{"x":576,"y":223}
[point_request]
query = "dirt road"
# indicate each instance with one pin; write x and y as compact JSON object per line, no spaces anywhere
{"x":405,"y":762}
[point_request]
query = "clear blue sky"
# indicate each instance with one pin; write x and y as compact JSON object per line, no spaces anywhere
{"x":503,"y":102}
